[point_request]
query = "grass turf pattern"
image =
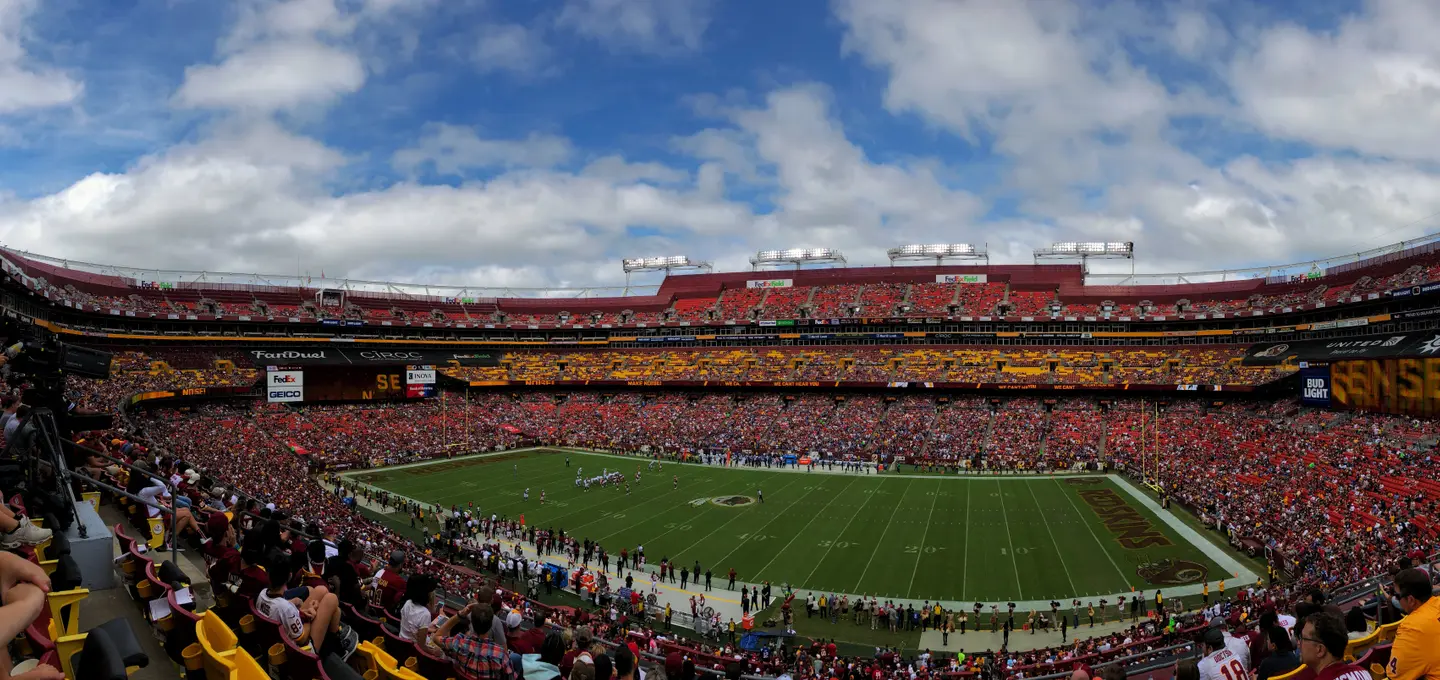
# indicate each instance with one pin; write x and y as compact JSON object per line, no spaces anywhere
{"x":951,"y":538}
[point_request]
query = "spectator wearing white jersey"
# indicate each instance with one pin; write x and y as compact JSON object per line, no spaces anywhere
{"x":1221,"y":662}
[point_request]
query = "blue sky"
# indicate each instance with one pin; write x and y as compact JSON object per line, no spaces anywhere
{"x":537,"y":142}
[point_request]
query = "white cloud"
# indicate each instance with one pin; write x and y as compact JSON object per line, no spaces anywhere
{"x":1023,"y":69}
{"x":1195,"y":34}
{"x":639,"y":25}
{"x":25,"y":85}
{"x":254,"y":197}
{"x":283,"y":55}
{"x":1372,"y":86}
{"x":827,"y":192}
{"x":273,"y":76}
{"x":513,"y":49}
{"x":1080,"y":134}
{"x":454,"y":149}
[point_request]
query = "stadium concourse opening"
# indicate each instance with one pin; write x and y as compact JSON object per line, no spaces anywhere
{"x":842,"y":529}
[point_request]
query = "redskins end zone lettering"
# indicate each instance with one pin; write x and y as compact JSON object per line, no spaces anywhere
{"x":1131,"y":529}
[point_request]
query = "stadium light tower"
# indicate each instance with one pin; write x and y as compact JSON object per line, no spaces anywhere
{"x":796,"y":256}
{"x":660,"y":264}
{"x":939,"y":252}
{"x":1088,"y":250}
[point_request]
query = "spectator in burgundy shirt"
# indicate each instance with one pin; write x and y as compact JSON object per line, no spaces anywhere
{"x":253,"y":579}
{"x":220,"y":552}
{"x":1322,"y":647}
{"x":584,"y":637}
{"x":516,"y":640}
{"x":391,"y":583}
{"x":535,"y":637}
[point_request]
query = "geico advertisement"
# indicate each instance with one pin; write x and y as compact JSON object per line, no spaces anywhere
{"x":1398,"y":386}
{"x":420,"y":376}
{"x":284,"y":394}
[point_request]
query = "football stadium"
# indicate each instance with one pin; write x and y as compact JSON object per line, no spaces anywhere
{"x":699,"y":340}
{"x":986,"y":457}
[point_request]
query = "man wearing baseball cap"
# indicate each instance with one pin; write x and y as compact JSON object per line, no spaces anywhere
{"x":1220,"y":661}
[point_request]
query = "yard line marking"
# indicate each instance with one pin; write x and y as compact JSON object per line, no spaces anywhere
{"x":1073,"y":589}
{"x":802,"y":530}
{"x":1081,"y":516}
{"x":876,"y":551}
{"x":727,"y":522}
{"x":761,"y":530}
{"x":842,"y":533}
{"x":1006,"y":517}
{"x":919,"y":554}
{"x":667,"y":494}
{"x":965,"y":562}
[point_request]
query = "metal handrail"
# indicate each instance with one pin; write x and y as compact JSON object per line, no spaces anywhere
{"x":1121,"y":660}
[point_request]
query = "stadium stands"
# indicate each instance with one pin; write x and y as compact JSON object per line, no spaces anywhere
{"x":1166,"y":366}
{"x":269,"y":453}
{"x":876,"y":292}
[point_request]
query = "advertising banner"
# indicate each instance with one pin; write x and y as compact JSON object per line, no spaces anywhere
{"x":363,"y":357}
{"x":829,"y":384}
{"x":961,"y":278}
{"x":1422,"y":289}
{"x":769,"y":283}
{"x":420,"y":376}
{"x":284,"y":386}
{"x":283,"y":395}
{"x":1315,"y":386}
{"x":1272,"y":353}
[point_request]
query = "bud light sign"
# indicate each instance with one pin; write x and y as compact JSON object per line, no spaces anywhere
{"x":1315,"y":386}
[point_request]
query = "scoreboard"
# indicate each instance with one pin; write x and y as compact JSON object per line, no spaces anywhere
{"x":322,"y":383}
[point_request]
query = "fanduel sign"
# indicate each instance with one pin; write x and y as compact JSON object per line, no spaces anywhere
{"x":267,"y":355}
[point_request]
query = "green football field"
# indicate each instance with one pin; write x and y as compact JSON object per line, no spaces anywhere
{"x":952,"y":538}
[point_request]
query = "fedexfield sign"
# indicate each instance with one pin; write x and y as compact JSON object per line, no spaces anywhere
{"x":961,"y":278}
{"x":770,"y":283}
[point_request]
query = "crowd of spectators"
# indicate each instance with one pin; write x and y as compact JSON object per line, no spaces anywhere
{"x":1354,"y":485}
{"x":1165,"y":366}
{"x":1352,"y":498}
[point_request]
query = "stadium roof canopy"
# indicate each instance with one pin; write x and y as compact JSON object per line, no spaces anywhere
{"x":112,"y":275}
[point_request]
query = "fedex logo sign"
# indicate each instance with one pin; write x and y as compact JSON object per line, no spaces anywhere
{"x":286,"y":378}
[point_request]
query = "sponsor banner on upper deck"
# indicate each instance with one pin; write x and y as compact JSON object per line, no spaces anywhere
{"x":1421,"y":289}
{"x":1360,"y":347}
{"x":769,"y":283}
{"x":365,"y":357}
{"x":961,"y":278}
